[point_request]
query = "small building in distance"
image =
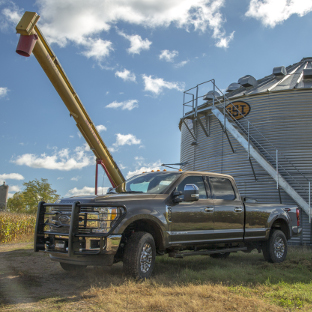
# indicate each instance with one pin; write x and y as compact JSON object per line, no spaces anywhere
{"x":4,"y":190}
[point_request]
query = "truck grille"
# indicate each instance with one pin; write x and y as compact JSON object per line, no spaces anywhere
{"x":57,"y":220}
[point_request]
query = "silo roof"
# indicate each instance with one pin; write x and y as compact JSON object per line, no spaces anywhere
{"x":296,"y":76}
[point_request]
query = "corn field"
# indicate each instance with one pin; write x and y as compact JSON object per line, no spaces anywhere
{"x":14,"y":226}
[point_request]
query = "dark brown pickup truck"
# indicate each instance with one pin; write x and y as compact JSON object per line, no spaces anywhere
{"x":174,"y":212}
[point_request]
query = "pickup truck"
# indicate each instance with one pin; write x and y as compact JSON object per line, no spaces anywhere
{"x":163,"y":212}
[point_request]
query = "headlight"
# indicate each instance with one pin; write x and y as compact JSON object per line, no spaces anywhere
{"x":106,"y":216}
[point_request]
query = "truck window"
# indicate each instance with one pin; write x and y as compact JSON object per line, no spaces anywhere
{"x":198,"y":181}
{"x":152,"y":183}
{"x":222,"y":188}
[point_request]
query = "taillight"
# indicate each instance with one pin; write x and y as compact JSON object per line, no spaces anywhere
{"x":298,"y":216}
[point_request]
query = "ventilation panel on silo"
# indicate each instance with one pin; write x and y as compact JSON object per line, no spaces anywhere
{"x":211,"y":95}
{"x":248,"y":81}
{"x":307,"y":73}
{"x":233,"y":86}
{"x":279,"y":72}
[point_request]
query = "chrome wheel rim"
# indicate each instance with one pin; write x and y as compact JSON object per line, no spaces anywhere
{"x":279,"y":247}
{"x":146,"y":258}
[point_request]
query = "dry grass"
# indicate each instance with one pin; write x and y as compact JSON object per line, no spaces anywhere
{"x":244,"y":282}
{"x":16,"y":226}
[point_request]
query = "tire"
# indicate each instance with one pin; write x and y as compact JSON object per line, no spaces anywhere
{"x":222,"y":255}
{"x":275,"y":249}
{"x":139,"y":255}
{"x":72,"y":267}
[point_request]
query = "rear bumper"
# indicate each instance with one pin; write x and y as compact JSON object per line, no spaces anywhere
{"x":77,"y":246}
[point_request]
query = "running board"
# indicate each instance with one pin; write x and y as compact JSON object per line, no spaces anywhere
{"x":205,"y":252}
{"x":261,"y":160}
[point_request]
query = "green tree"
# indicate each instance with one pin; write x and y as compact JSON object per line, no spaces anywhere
{"x":35,"y":191}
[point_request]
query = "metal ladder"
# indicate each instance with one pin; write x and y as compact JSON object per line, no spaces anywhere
{"x":245,"y":133}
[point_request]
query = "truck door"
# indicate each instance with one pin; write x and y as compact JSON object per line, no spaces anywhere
{"x":192,"y":221}
{"x":228,"y":210}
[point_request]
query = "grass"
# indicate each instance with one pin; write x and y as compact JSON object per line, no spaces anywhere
{"x":243,"y":282}
{"x":16,"y":226}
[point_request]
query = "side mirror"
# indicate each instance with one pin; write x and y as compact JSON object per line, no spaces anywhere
{"x":191,"y":192}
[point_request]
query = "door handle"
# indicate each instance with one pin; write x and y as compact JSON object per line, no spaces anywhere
{"x":238,"y":209}
{"x":209,"y":209}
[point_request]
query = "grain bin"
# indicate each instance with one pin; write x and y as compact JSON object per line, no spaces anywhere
{"x":272,"y":117}
{"x":4,"y":190}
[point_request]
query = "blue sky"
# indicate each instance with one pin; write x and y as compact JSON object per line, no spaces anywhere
{"x":129,"y":61}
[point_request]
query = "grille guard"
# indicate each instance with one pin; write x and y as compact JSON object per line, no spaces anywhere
{"x":73,"y":235}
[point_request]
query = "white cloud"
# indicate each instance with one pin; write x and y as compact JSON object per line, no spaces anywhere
{"x":129,"y":105}
{"x":60,"y":178}
{"x":75,"y":178}
{"x":181,"y":64}
{"x":156,"y":85}
{"x":11,"y":176}
{"x":124,"y":139}
{"x":101,"y":128}
{"x":65,"y":21}
{"x":11,"y":15}
{"x":86,"y":190}
{"x":13,"y":189}
{"x":273,"y":12}
{"x":96,"y":48}
{"x":167,"y":55}
{"x":126,"y":75}
{"x":224,"y":42}
{"x":121,"y":166}
{"x":3,"y":91}
{"x":60,"y":160}
{"x":137,"y":44}
{"x":144,"y":168}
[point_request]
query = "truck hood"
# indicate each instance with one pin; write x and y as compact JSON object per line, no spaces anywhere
{"x":119,"y":197}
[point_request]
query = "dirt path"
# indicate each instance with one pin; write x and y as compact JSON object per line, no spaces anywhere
{"x":30,"y":281}
{"x":27,"y":277}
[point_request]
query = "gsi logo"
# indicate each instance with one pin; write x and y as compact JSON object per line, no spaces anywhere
{"x":238,"y":110}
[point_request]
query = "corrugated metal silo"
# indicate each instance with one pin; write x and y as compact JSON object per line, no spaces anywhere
{"x":274,"y":117}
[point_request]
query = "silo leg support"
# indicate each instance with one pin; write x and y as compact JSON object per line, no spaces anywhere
{"x":187,"y":127}
{"x":202,"y":126}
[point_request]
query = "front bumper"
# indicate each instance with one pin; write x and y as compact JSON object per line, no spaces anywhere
{"x":77,"y":245}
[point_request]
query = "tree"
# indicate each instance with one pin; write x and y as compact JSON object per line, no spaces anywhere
{"x":35,"y":191}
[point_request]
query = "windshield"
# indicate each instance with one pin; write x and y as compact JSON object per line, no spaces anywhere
{"x":150,"y":183}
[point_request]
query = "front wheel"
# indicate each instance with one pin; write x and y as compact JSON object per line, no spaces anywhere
{"x":139,"y":255}
{"x":275,"y":249}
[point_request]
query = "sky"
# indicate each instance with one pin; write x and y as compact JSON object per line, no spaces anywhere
{"x":129,"y":61}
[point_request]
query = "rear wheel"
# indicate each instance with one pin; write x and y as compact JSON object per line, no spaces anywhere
{"x":72,"y":267}
{"x":275,"y":249}
{"x":222,"y":255}
{"x":139,"y":255}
